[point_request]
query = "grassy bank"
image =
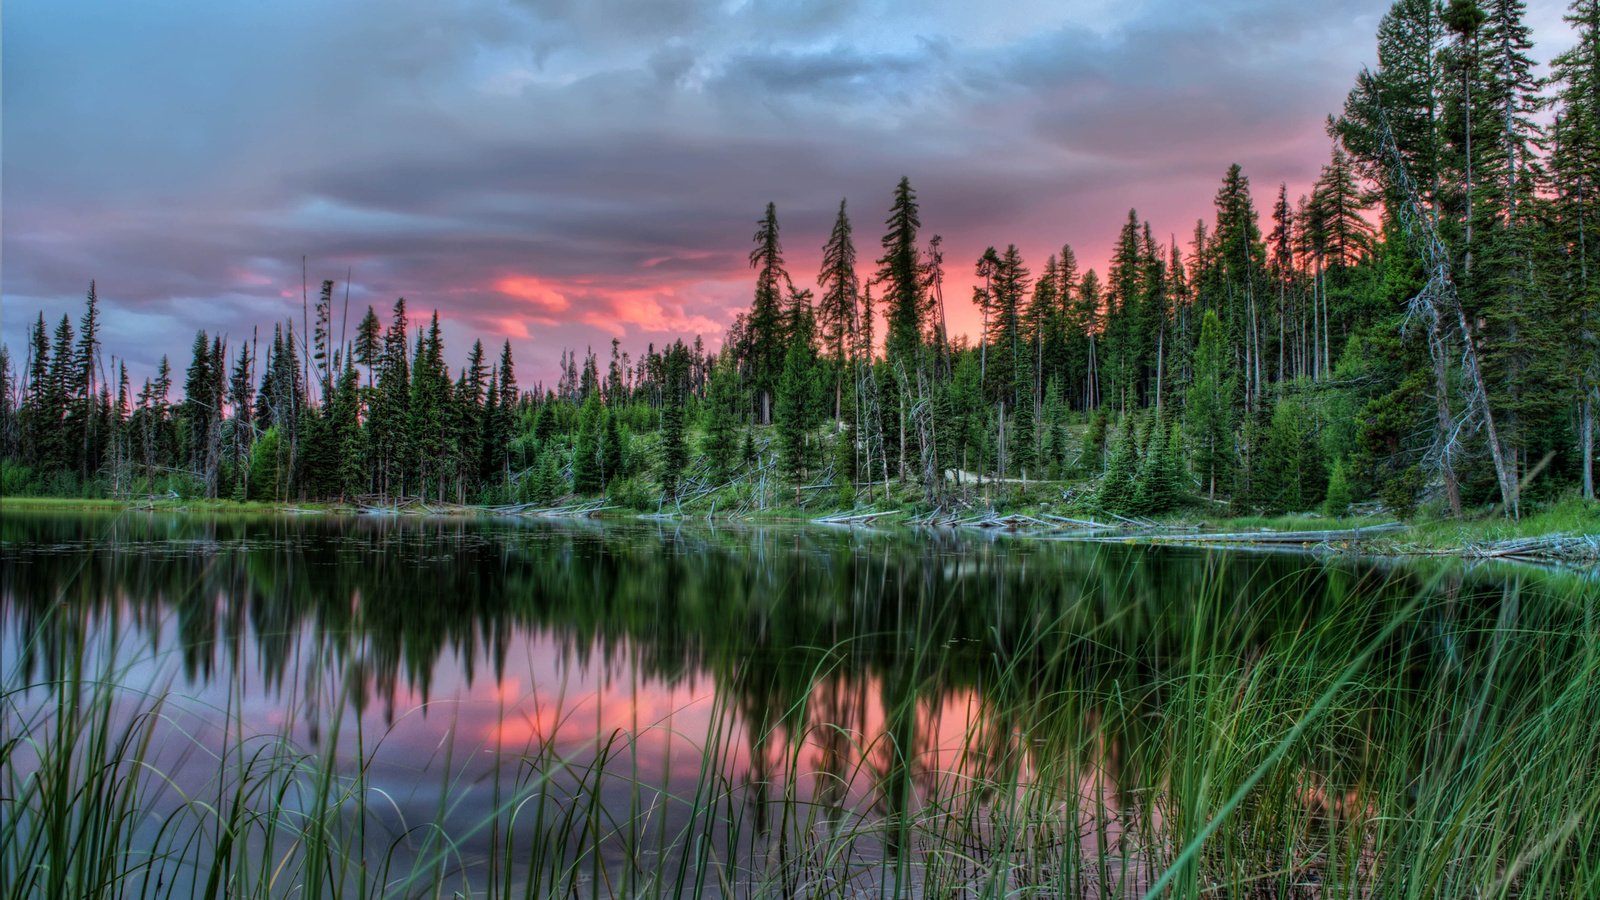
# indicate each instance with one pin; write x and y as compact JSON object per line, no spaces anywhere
{"x":1037,"y":510}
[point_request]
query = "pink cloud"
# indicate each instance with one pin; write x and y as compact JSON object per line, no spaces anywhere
{"x":534,"y":291}
{"x":656,"y":310}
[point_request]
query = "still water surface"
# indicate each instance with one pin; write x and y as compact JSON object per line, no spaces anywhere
{"x":700,"y":705}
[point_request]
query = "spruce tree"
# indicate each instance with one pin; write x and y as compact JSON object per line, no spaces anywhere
{"x":1092,"y":455}
{"x":765,"y":331}
{"x":1337,"y":502}
{"x":1021,"y":447}
{"x":587,"y":477}
{"x":836,"y":309}
{"x":613,"y":452}
{"x":797,"y":411}
{"x":1290,"y":476}
{"x":368,"y":348}
{"x":899,"y":272}
{"x":1208,"y":408}
{"x":674,"y":449}
{"x":1117,"y":488}
{"x":720,"y":444}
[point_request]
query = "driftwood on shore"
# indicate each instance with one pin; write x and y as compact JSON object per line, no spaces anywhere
{"x":854,"y":517}
{"x":566,"y":511}
{"x":1544,"y":548}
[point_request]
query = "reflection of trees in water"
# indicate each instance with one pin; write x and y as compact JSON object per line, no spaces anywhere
{"x":1069,"y":653}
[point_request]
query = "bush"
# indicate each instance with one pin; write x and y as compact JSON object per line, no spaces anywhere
{"x":634,"y":493}
{"x":16,"y":480}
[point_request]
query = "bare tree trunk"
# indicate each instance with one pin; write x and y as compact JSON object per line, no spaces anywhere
{"x":1000,"y":443}
{"x":1447,"y":466}
{"x":1161,"y":367}
{"x":902,"y":416}
{"x":1283,"y":307}
{"x":1327,"y":326}
{"x":1587,"y":426}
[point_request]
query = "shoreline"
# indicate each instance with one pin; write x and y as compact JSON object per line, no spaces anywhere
{"x":1569,"y":533}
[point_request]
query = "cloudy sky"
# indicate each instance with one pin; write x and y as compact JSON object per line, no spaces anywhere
{"x":560,"y":172}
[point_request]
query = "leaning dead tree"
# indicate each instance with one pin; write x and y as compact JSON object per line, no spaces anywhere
{"x":1438,"y":307}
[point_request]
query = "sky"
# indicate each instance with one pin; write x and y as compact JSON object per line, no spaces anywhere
{"x":562,"y":172}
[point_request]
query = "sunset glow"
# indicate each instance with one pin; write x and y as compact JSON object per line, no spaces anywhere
{"x":574,"y":175}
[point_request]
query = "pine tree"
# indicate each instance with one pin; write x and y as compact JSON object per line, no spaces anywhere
{"x":58,"y":439}
{"x":836,"y":310}
{"x":1158,"y":487}
{"x":1575,"y":165}
{"x":1008,"y":362}
{"x":797,"y":407}
{"x":1092,"y":456}
{"x":1057,"y":447}
{"x":368,"y":350}
{"x":349,"y":438}
{"x":1404,"y":90}
{"x":898,"y":270}
{"x":587,"y":476}
{"x":195,"y":410}
{"x":87,"y":356}
{"x":722,"y":402}
{"x":241,"y":398}
{"x":1290,"y":475}
{"x":508,"y":407}
{"x":795,"y":413}
{"x":675,"y":390}
{"x":1337,"y":502}
{"x":33,"y":419}
{"x":1021,"y":447}
{"x":1524,"y":339}
{"x":612,"y":451}
{"x":429,"y":412}
{"x":1117,"y":488}
{"x":1239,"y":261}
{"x":1208,"y":408}
{"x":8,"y":408}
{"x":844,"y":466}
{"x":1090,"y":313}
{"x":1123,"y":344}
{"x":765,"y":333}
{"x":548,"y":483}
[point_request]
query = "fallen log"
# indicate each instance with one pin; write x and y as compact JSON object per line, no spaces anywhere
{"x":1289,"y":537}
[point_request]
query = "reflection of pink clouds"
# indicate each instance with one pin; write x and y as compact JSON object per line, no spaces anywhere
{"x":508,"y":688}
{"x":576,"y":714}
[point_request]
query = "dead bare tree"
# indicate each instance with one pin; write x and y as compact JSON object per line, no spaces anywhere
{"x":1438,"y":307}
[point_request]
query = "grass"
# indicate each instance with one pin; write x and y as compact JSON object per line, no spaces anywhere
{"x":1417,"y":737}
{"x":740,"y":500}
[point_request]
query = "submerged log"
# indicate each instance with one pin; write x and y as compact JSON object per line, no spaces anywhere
{"x":1292,"y":537}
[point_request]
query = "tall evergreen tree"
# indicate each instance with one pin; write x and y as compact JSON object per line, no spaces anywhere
{"x":765,"y":332}
{"x":675,"y":397}
{"x":1575,"y":165}
{"x":898,"y":271}
{"x":1208,"y":408}
{"x":836,"y":310}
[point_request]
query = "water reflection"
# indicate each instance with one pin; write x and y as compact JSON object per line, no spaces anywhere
{"x":818,"y":679}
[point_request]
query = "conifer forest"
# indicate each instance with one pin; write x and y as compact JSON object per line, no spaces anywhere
{"x":1422,"y":328}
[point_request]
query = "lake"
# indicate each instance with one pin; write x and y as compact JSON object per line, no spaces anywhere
{"x":319,"y":705}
